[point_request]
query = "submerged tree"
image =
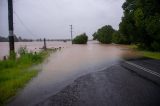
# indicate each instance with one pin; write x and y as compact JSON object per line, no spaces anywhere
{"x":104,"y":34}
{"x":80,"y":39}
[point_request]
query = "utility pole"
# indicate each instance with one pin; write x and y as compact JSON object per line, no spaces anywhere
{"x":44,"y":47}
{"x":11,"y":29}
{"x":71,"y":33}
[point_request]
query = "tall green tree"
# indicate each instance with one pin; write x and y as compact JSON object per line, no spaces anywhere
{"x":80,"y":39}
{"x":104,"y":34}
{"x":141,"y":23}
{"x":118,"y":38}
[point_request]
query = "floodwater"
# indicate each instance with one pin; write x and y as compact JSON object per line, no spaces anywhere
{"x":31,"y":46}
{"x":63,"y":67}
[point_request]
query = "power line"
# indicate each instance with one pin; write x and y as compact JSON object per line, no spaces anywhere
{"x":27,"y":29}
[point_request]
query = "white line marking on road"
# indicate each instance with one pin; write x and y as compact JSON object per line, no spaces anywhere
{"x":144,"y":69}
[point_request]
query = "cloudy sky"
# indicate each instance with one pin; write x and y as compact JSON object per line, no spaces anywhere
{"x":51,"y":18}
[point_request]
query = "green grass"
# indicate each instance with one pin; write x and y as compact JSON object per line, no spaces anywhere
{"x":133,"y":47}
{"x":149,"y":54}
{"x":14,"y":74}
{"x":154,"y":55}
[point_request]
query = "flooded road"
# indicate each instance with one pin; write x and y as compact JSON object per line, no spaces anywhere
{"x":63,"y":67}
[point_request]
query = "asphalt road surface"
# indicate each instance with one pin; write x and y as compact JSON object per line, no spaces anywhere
{"x":114,"y":86}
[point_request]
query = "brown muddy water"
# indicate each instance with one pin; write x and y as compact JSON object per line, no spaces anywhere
{"x":31,"y":46}
{"x":63,"y":67}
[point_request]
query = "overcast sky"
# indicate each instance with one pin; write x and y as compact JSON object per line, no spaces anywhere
{"x":51,"y":18}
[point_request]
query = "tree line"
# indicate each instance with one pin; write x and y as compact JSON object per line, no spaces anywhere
{"x":20,"y":39}
{"x":140,"y":25}
{"x":16,"y":39}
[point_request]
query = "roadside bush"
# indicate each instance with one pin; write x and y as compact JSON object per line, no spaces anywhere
{"x":155,"y":46}
{"x":22,"y":50}
{"x":80,"y":39}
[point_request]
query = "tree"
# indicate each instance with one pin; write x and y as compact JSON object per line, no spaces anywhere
{"x":104,"y":34}
{"x":80,"y":39}
{"x":94,"y":36}
{"x":118,"y":38}
{"x":141,"y":23}
{"x":3,"y":39}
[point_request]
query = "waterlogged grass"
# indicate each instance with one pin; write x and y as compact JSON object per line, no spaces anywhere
{"x":149,"y":54}
{"x":133,"y":47}
{"x":14,"y":74}
{"x":12,"y":80}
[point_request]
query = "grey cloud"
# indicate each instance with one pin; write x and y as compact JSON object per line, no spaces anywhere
{"x":51,"y":18}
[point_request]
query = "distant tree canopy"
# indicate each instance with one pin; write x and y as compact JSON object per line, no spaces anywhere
{"x":3,"y":39}
{"x":16,"y":39}
{"x":104,"y":34}
{"x":141,"y":23}
{"x":80,"y":39}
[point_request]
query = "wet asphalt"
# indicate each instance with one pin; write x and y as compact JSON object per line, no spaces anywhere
{"x":148,"y":63}
{"x":114,"y":86}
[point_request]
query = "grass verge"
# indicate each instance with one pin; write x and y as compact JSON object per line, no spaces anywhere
{"x":154,"y":55}
{"x":149,"y":54}
{"x":14,"y":74}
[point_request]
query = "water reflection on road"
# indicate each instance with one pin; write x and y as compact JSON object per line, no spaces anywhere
{"x":64,"y":66}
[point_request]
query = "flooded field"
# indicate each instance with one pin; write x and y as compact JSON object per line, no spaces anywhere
{"x":31,"y":46}
{"x":64,"y":66}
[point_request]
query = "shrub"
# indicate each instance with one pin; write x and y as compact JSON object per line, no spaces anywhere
{"x":22,"y":50}
{"x":80,"y":39}
{"x":155,"y":46}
